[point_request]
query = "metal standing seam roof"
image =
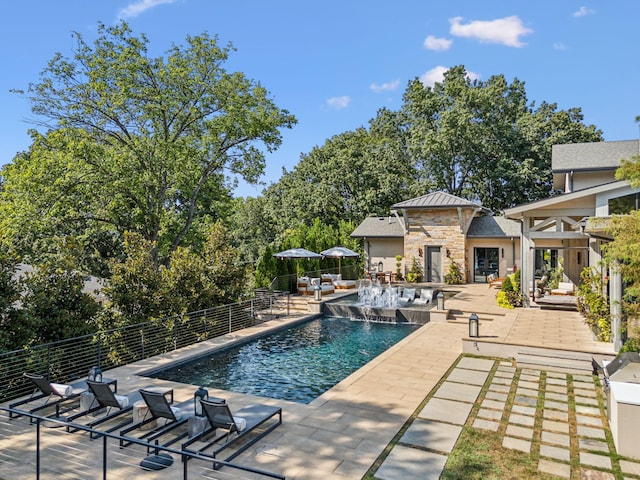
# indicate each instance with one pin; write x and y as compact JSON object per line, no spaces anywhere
{"x":592,"y":155}
{"x":493,"y":227}
{"x":436,"y":200}
{"x":381,"y":227}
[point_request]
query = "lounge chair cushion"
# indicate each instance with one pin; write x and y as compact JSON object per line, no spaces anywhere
{"x":123,"y":400}
{"x":156,"y":462}
{"x":241,"y":423}
{"x":62,"y":389}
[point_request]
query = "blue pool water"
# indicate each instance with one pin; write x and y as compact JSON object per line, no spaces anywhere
{"x":296,"y":364}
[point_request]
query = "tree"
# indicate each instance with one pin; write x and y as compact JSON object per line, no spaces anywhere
{"x":483,"y":141}
{"x":141,"y":144}
{"x":10,"y":315}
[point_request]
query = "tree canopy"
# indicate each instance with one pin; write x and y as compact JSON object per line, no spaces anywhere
{"x":137,"y":143}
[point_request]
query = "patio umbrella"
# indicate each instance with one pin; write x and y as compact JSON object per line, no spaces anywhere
{"x":339,"y":253}
{"x":297,"y":254}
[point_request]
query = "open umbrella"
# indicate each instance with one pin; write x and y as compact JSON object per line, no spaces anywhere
{"x":339,"y":253}
{"x":297,"y":253}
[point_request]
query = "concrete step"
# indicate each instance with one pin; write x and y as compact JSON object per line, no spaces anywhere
{"x":554,"y":360}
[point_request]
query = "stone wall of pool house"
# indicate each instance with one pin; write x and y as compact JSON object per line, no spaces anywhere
{"x":439,"y":228}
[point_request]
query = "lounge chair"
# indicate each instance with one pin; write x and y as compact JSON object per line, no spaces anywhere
{"x":166,"y":416}
{"x":408,"y":296}
{"x":426,"y":296}
{"x":104,"y":398}
{"x":564,"y":288}
{"x":234,"y":427}
{"x":54,"y":395}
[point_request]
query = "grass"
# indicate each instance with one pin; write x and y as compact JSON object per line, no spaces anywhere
{"x":479,"y":454}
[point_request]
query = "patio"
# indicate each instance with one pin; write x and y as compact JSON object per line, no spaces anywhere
{"x":340,"y":434}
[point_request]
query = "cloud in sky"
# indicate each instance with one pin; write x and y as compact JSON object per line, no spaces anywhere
{"x":437,"y":44}
{"x":338,"y":103}
{"x":559,"y":46}
{"x":436,"y":74}
{"x":583,"y":11}
{"x":505,"y":31}
{"x":141,"y":6}
{"x":385,"y":87}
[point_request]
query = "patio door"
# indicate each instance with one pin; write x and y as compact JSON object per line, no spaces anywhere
{"x":433,"y":264}
{"x":485,"y":261}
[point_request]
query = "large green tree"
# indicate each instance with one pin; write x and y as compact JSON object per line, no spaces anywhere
{"x":484,"y":141}
{"x":138,"y":143}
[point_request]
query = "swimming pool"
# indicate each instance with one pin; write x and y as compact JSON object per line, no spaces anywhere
{"x":297,"y":364}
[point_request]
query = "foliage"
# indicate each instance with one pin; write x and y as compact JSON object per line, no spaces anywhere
{"x":454,"y":275}
{"x":507,"y":286}
{"x":140,"y":144}
{"x":141,"y":290}
{"x":10,"y":316}
{"x":503,"y":299}
{"x":414,"y":275}
{"x":556,"y":275}
{"x":593,"y":304}
{"x":399,"y":259}
{"x":510,"y":291}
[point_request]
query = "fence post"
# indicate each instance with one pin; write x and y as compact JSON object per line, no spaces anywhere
{"x":142,"y":342}
{"x":230,"y":319}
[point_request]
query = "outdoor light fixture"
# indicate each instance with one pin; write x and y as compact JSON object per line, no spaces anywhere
{"x":448,"y":253}
{"x":474,"y":325}
{"x":502,"y":252}
{"x":380,"y":266}
{"x":198,"y":396}
{"x":420,"y":252}
{"x":440,"y":301}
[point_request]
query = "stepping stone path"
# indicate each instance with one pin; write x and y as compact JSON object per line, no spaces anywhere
{"x":556,"y":417}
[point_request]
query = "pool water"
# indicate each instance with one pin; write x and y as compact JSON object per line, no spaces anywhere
{"x":296,"y":364}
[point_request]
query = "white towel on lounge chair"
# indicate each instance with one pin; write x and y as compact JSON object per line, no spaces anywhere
{"x":62,"y":389}
{"x":241,"y":423}
{"x":122,"y":400}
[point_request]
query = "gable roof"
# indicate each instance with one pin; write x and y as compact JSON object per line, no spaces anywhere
{"x":493,"y":227}
{"x":436,"y":200}
{"x":592,"y":155}
{"x":380,"y":227}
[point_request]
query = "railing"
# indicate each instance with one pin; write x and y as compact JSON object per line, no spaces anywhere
{"x":69,"y":360}
{"x":44,"y":457}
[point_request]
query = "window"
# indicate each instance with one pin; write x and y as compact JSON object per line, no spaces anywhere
{"x":623,"y":205}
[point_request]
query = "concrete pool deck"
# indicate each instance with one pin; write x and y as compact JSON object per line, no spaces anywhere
{"x":341,"y":434}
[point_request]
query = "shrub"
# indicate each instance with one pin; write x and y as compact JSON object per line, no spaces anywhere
{"x":503,"y":300}
{"x":399,"y":267}
{"x":454,"y":276}
{"x":415,"y":274}
{"x":593,"y":305}
{"x":507,"y":286}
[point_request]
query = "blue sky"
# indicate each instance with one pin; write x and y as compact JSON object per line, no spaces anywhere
{"x":333,"y":64}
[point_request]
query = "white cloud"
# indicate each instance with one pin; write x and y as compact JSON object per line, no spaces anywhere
{"x":338,"y":103}
{"x":385,"y":87}
{"x":436,"y":74}
{"x":583,"y":11}
{"x":559,"y":46}
{"x":505,"y":31}
{"x":141,"y":6}
{"x":437,"y":44}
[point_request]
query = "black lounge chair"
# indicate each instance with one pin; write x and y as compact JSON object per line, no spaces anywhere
{"x":159,"y":408}
{"x":104,"y":398}
{"x":220,"y":417}
{"x":54,"y":395}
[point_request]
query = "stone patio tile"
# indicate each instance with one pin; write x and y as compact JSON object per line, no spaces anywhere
{"x":490,"y":414}
{"x":522,"y":432}
{"x":500,"y":396}
{"x":529,"y":372}
{"x":530,"y":378}
{"x":591,"y":444}
{"x":590,"y":432}
{"x":521,"y":399}
{"x":471,"y":377}
{"x":521,"y":419}
{"x":581,"y":409}
{"x":433,"y":435}
{"x":446,"y":411}
{"x":482,"y":424}
{"x":553,"y":426}
{"x":556,"y":439}
{"x":500,"y":388}
{"x":406,"y":462}
{"x":555,"y":415}
{"x":593,"y":402}
{"x":524,"y":410}
{"x":558,"y":453}
{"x":587,"y":474}
{"x":482,"y":364}
{"x":556,"y":381}
{"x":551,"y":374}
{"x":632,"y":468}
{"x":517,"y":444}
{"x":585,"y":393}
{"x":583,"y":379}
{"x":559,"y":397}
{"x":502,"y":380}
{"x":458,"y":391}
{"x":594,"y":460}
{"x":556,"y":405}
{"x":527,"y":392}
{"x":527,"y":384}
{"x":495,"y":404}
{"x":503,"y":374}
{"x":589,"y":420}
{"x":556,"y":388}
{"x":554,"y":468}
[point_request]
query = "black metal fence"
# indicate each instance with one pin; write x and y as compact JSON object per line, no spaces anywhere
{"x":69,"y":360}
{"x":42,"y":456}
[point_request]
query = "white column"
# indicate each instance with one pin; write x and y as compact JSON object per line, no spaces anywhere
{"x":615,"y":305}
